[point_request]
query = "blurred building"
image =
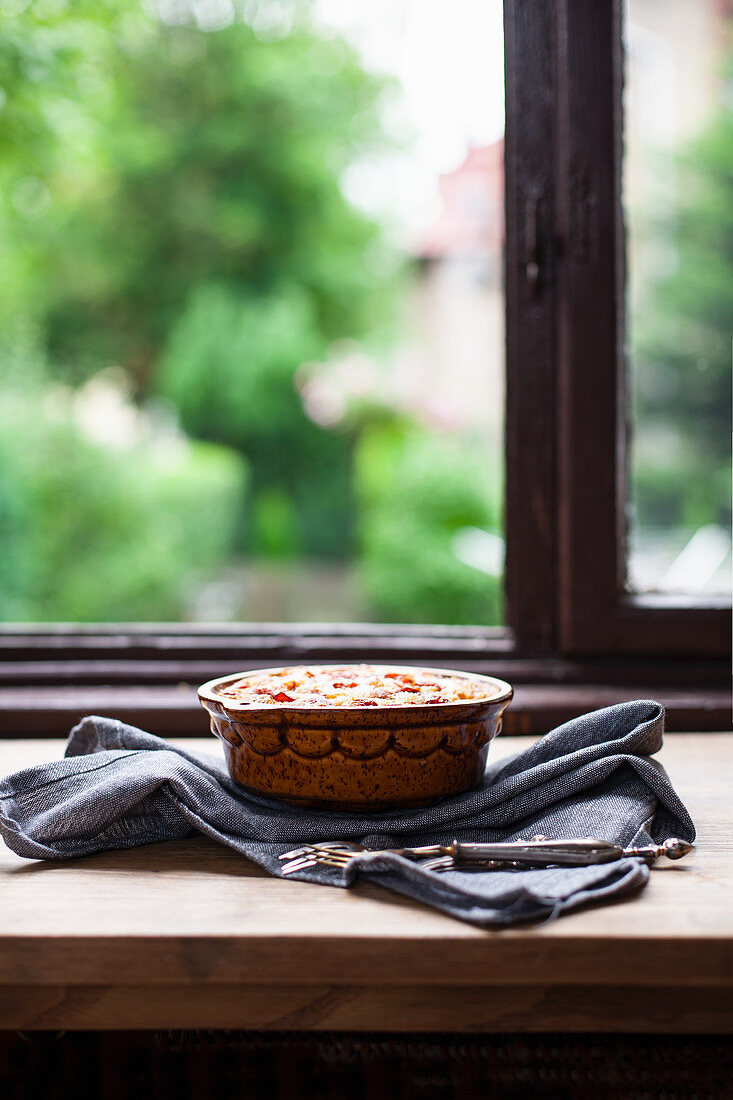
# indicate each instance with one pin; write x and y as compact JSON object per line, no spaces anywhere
{"x":457,"y":306}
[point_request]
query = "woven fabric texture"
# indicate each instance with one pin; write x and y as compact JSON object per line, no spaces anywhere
{"x":118,"y":787}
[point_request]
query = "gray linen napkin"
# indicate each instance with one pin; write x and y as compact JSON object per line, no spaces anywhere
{"x":118,"y":787}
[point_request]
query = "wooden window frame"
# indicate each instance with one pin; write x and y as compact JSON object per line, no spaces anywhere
{"x":574,"y":638}
{"x":597,"y":614}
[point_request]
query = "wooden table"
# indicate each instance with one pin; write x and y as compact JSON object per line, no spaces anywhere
{"x":188,"y":934}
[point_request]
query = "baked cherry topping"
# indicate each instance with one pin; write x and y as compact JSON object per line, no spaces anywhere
{"x":351,"y":686}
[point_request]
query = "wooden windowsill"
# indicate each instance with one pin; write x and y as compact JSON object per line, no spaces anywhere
{"x":173,"y":710}
{"x":188,"y":934}
{"x":146,"y":674}
{"x":30,"y":710}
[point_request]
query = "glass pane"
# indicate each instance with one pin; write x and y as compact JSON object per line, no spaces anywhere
{"x":252,"y":325}
{"x":678,"y":193}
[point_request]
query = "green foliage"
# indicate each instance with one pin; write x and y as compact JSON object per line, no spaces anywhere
{"x":273,"y":525}
{"x":144,"y":160}
{"x":91,"y":532}
{"x":170,"y":201}
{"x":682,"y":345}
{"x":229,"y":367}
{"x":416,"y":491}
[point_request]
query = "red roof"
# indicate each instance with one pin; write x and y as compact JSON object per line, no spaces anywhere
{"x":471,"y":218}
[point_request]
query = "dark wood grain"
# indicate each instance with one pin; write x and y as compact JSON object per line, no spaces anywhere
{"x":174,"y":710}
{"x":596,"y":615}
{"x":271,"y":643}
{"x":530,"y":306}
{"x":646,"y":672}
{"x":353,"y":1008}
{"x":588,"y":342}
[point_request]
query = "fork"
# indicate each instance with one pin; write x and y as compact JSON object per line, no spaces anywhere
{"x":537,"y":852}
{"x":339,"y":853}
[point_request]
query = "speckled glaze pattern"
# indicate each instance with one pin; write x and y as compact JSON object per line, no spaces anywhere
{"x":358,"y":758}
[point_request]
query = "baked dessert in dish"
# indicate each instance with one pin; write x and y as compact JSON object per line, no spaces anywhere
{"x":360,"y":737}
{"x":352,"y":686}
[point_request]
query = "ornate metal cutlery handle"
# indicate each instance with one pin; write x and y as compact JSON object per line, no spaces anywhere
{"x":580,"y":852}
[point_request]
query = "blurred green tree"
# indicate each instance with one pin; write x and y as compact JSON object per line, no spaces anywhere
{"x":417,"y":491}
{"x":229,"y":367}
{"x":164,"y":181}
{"x":682,"y":344}
{"x":104,"y":533}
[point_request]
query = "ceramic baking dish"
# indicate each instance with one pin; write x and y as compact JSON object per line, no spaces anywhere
{"x":358,"y":757}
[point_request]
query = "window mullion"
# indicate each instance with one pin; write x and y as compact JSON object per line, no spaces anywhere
{"x":531,"y":580}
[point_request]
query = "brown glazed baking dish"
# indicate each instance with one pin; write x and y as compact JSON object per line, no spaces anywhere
{"x":358,"y":757}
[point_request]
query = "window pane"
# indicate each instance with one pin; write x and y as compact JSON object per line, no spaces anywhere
{"x":678,"y":193}
{"x":253,"y":321}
